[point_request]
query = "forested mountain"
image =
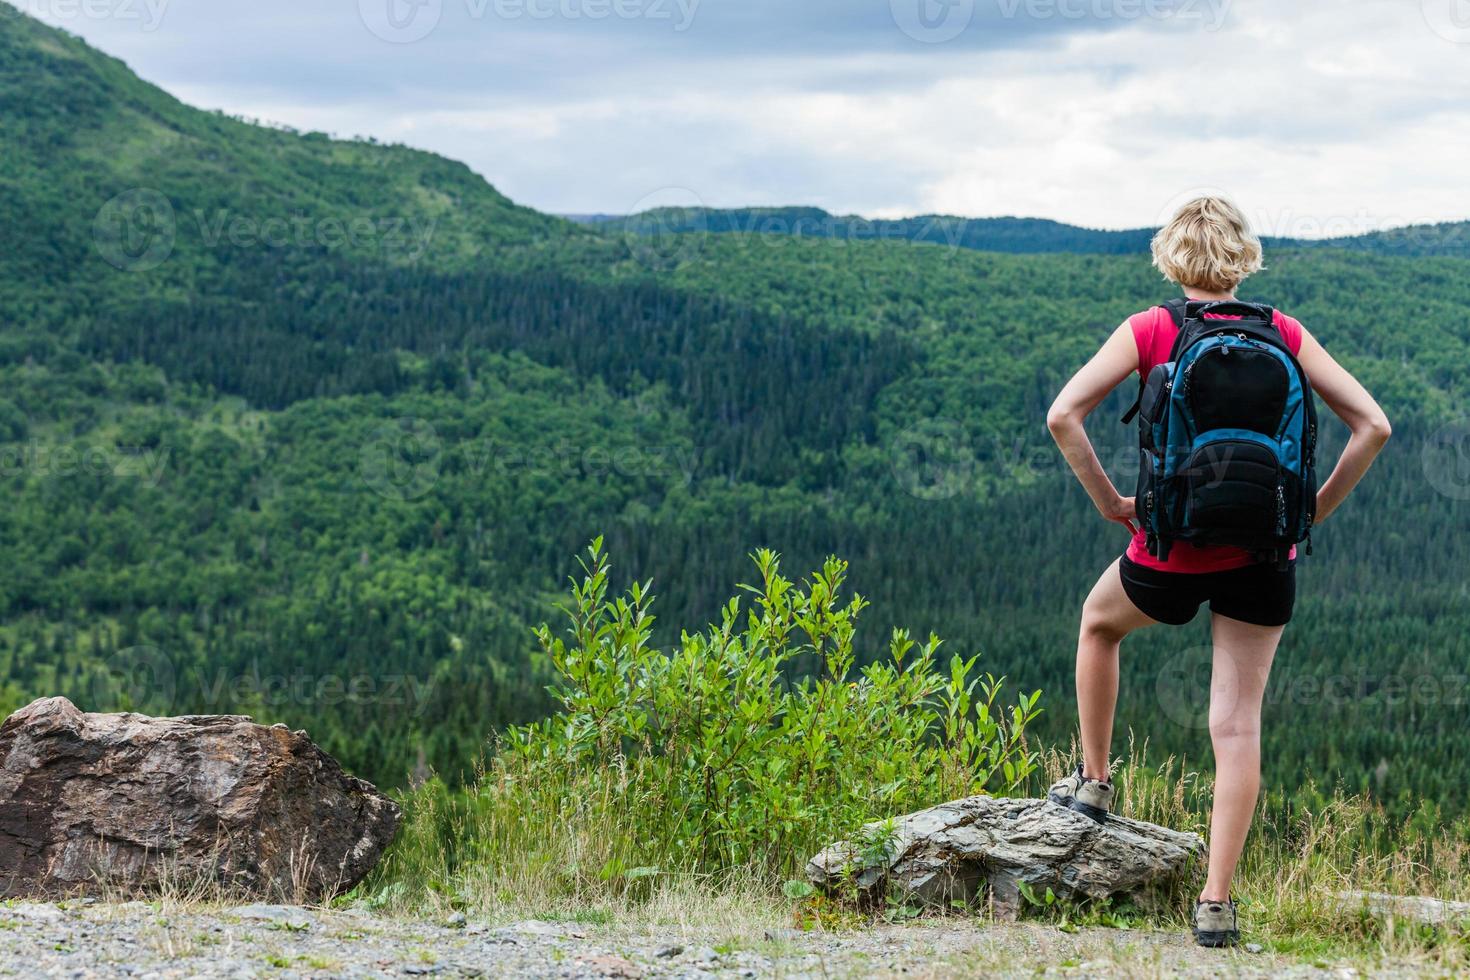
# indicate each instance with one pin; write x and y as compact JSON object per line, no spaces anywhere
{"x":1021,"y":235}
{"x":80,"y":130}
{"x":1016,"y":235}
{"x":256,"y":461}
{"x":1445,"y":238}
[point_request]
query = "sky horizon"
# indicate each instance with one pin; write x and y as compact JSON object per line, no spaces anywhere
{"x":1320,"y":120}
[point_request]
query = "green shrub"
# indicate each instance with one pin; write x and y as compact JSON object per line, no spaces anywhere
{"x":712,"y":759}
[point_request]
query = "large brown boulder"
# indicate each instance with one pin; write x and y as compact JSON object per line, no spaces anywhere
{"x":124,"y":803}
{"x":988,"y":848}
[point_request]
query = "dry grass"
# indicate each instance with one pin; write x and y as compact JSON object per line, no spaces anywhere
{"x":173,"y":889}
{"x":490,"y":856}
{"x":1299,"y":860}
{"x":496,"y":858}
{"x":578,"y":862}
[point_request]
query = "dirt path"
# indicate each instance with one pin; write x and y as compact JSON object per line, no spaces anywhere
{"x":137,"y":940}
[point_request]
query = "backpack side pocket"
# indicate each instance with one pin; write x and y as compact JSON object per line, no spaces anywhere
{"x":1153,"y":405}
{"x":1153,"y":420}
{"x":1148,"y":499}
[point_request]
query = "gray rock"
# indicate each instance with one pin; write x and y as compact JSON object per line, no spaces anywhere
{"x":615,"y":967}
{"x":34,"y":912}
{"x":126,"y":803}
{"x":980,"y":846}
{"x":537,"y":927}
{"x":1419,"y":908}
{"x":284,"y":915}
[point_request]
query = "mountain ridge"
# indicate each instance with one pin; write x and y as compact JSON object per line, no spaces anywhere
{"x":83,"y":133}
{"x":1012,"y":234}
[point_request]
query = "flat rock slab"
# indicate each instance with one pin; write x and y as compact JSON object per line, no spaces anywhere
{"x":125,"y":803}
{"x":35,"y":912}
{"x":285,"y":916}
{"x":971,"y":848}
{"x":1417,"y":908}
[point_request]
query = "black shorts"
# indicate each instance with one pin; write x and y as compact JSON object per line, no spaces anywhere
{"x":1260,"y":594}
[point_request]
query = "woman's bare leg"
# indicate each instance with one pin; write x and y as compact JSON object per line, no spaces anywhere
{"x":1243,"y":655}
{"x":1107,"y":617}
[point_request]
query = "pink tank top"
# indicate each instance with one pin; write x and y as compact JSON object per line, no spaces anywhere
{"x":1154,"y":333}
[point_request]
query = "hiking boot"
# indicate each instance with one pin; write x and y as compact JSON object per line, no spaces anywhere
{"x":1090,"y":797}
{"x":1215,"y":924}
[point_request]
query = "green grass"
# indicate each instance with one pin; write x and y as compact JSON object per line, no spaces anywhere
{"x":1295,"y":863}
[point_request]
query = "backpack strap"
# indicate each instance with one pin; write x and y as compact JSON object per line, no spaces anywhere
{"x":1254,"y":319}
{"x":1175,"y":309}
{"x":1196,"y":308}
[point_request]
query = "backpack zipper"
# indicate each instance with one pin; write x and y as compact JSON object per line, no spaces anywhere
{"x":1280,"y":507}
{"x":1224,"y":350}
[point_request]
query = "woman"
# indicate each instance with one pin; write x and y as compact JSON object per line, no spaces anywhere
{"x":1208,"y":250}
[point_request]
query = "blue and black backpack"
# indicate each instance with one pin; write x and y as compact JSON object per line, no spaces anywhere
{"x":1227,"y":436}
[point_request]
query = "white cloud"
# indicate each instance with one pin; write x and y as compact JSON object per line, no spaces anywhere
{"x":1318,"y":116}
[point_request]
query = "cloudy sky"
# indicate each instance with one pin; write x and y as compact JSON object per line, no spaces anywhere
{"x":1320,"y":117}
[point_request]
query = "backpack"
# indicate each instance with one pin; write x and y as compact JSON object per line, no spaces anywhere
{"x":1227,"y":432}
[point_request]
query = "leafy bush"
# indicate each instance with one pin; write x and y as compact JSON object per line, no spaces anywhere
{"x":712,"y":758}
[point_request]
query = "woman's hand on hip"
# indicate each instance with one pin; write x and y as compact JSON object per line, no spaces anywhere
{"x":1124,"y":511}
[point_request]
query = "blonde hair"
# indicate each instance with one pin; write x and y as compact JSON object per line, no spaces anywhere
{"x":1208,"y":245}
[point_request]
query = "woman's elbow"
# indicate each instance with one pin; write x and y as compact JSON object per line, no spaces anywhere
{"x":1378,"y":429}
{"x":1060,"y":418}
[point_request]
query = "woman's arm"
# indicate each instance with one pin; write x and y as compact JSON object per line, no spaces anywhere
{"x":1117,"y":359}
{"x":1350,"y":402}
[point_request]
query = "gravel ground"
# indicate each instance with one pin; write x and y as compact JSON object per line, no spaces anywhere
{"x":79,"y":940}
